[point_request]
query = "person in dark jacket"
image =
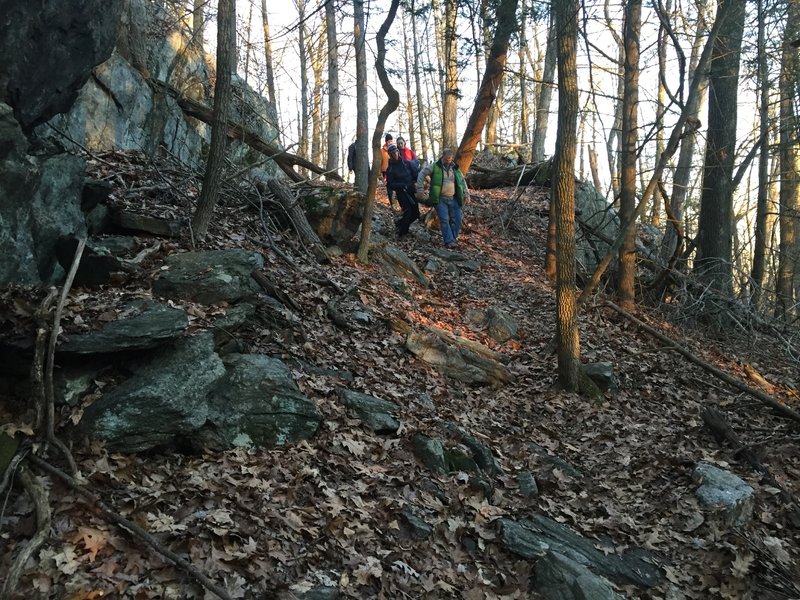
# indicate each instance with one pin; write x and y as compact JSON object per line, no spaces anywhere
{"x":400,"y":179}
{"x":447,"y":194}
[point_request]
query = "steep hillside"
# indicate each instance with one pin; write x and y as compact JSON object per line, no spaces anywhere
{"x":352,"y":513}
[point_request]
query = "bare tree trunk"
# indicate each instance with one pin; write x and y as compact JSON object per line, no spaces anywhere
{"x":412,"y":129}
{"x":545,"y":94}
{"x":334,"y":105}
{"x":226,"y":39}
{"x":198,"y":22}
{"x":423,"y":146}
{"x":362,"y":179}
{"x":790,"y":171}
{"x":563,"y":192}
{"x":658,"y":200}
{"x":626,"y":291}
{"x":614,"y":133}
{"x":450,"y":101}
{"x":681,"y":178}
{"x":522,"y":82}
{"x":302,"y":146}
{"x":713,"y":260}
{"x":495,"y":64}
{"x":392,"y":102}
{"x":317,"y":55}
{"x":760,"y":243}
{"x":248,"y":42}
{"x":268,"y":56}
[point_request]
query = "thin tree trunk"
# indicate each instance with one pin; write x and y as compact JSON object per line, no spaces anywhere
{"x":392,"y":102}
{"x":226,"y":39}
{"x":760,"y":243}
{"x":334,"y":104}
{"x":681,"y":178}
{"x":423,"y":146}
{"x":409,"y":101}
{"x":545,"y":94}
{"x":198,"y":22}
{"x":563,"y":192}
{"x":268,"y":56}
{"x":790,"y":170}
{"x":304,"y":58}
{"x":362,"y":99}
{"x":317,"y":67}
{"x":626,"y":291}
{"x":495,"y":65}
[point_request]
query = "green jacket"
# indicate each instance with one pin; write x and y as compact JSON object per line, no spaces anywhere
{"x":437,"y":174}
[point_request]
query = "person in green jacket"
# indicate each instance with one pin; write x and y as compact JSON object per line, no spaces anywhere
{"x":447,"y":194}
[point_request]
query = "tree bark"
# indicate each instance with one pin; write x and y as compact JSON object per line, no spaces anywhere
{"x":713,"y":260}
{"x":298,"y":218}
{"x":268,"y":57}
{"x":495,"y":65}
{"x":545,"y":95}
{"x":362,"y":181}
{"x":451,"y":93}
{"x":226,"y":38}
{"x":626,"y":291}
{"x":760,"y":242}
{"x":790,"y":171}
{"x":563,"y":193}
{"x":334,"y":106}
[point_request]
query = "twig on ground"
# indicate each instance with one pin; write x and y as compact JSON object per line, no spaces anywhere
{"x":121,"y":521}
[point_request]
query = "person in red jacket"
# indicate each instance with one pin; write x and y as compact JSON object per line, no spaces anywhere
{"x":406,"y":153}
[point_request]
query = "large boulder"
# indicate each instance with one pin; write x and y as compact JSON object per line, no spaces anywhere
{"x":258,"y":403}
{"x":598,"y":227}
{"x":165,"y":401}
{"x":118,"y":108}
{"x":40,"y":202}
{"x":49,"y":49}
{"x":335,"y":214}
{"x":210,"y":276}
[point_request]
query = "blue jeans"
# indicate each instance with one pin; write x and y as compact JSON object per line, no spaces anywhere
{"x":449,"y":213}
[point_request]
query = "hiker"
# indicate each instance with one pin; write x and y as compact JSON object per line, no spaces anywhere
{"x":447,"y":194}
{"x":400,"y":178}
{"x":406,"y":153}
{"x":387,"y":141}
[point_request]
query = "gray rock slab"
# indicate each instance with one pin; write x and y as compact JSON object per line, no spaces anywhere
{"x":210,"y":276}
{"x":720,"y":488}
{"x":258,"y":403}
{"x":164,"y":399}
{"x":141,"y":325}
{"x":560,"y":578}
{"x":430,"y":452}
{"x":533,"y":538}
{"x":376,"y":414}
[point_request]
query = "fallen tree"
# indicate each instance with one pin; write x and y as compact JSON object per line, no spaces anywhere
{"x":482,"y":177}
{"x":285,"y":160}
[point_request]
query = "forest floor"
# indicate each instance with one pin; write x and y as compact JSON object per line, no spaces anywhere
{"x":277,"y":523}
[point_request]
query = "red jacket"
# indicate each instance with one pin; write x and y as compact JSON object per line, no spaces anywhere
{"x":407,"y":154}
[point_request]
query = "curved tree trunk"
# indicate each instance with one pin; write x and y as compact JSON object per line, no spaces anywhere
{"x":392,"y":102}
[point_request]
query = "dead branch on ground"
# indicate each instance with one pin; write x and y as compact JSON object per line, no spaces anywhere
{"x":777,"y":406}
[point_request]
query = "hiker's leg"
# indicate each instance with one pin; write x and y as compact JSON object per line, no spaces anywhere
{"x":443,"y":212}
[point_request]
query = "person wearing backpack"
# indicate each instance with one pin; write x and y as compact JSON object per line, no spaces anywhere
{"x":351,"y":159}
{"x":400,"y":178}
{"x":447,"y":194}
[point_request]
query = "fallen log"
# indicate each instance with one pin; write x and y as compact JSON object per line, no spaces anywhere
{"x":776,"y":405}
{"x":285,"y":160}
{"x":528,"y":174}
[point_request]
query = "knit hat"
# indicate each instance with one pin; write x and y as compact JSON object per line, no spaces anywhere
{"x":388,"y":137}
{"x":391,"y":148}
